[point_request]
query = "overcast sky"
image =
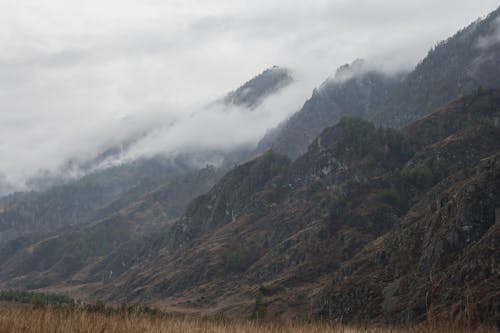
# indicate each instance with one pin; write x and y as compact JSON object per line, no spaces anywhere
{"x":76,"y":76}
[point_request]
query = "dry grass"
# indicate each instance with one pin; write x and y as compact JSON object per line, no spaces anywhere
{"x":30,"y":320}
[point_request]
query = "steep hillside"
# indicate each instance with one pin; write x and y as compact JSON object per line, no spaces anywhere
{"x":441,"y":263}
{"x":78,"y":254}
{"x":253,"y":92}
{"x":371,"y":224}
{"x":104,"y":191}
{"x":354,"y":91}
{"x":353,"y":229}
{"x":77,"y":202}
{"x":463,"y":63}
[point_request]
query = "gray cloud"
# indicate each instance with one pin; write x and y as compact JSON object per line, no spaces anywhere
{"x":78,"y":77}
{"x":487,"y":41}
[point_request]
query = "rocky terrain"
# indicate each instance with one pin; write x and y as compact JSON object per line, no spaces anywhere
{"x":335,"y":218}
{"x":454,"y":67}
{"x":370,"y":224}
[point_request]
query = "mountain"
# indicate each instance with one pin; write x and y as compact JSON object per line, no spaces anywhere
{"x":77,"y":201}
{"x":62,"y":203}
{"x":461,"y":64}
{"x":354,"y":91}
{"x":371,"y":224}
{"x":252,"y":93}
{"x":78,"y":254}
{"x":357,"y":228}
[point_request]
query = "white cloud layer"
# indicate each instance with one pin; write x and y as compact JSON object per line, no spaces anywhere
{"x":79,"y":76}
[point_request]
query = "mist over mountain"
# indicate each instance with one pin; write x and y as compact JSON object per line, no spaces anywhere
{"x":78,"y":191}
{"x":95,"y":84}
{"x":372,"y":199}
{"x":252,"y":93}
{"x":456,"y":66}
{"x":219,"y":128}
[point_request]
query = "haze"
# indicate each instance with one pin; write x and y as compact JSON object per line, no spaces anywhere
{"x":78,"y":77}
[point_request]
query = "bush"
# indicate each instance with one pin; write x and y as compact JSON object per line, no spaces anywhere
{"x":367,"y":140}
{"x":275,"y":163}
{"x":260,"y":307}
{"x":426,"y":174}
{"x":390,"y":196}
{"x":235,"y":261}
{"x":37,"y":299}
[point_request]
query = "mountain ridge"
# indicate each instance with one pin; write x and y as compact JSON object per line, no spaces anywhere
{"x":454,"y":67}
{"x":297,"y":229}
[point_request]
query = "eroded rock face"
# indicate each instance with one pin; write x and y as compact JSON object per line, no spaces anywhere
{"x":369,"y":225}
{"x":444,"y":254}
{"x":341,"y":230}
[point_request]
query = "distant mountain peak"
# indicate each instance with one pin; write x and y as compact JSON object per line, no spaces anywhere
{"x":252,"y":93}
{"x":348,"y":70}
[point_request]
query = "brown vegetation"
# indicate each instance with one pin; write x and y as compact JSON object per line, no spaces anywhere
{"x":41,"y":320}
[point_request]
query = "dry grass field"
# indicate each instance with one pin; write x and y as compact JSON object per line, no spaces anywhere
{"x":31,"y":320}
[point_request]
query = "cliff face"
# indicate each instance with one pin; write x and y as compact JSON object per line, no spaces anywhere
{"x":441,"y":262}
{"x":370,"y":224}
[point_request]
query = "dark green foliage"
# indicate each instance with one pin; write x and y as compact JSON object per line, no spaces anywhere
{"x":275,"y":163}
{"x":254,"y":91}
{"x":42,"y":300}
{"x":260,"y":307}
{"x":364,"y":139}
{"x":265,"y":291}
{"x":235,"y":261}
{"x":426,"y":174}
{"x":124,"y":309}
{"x":37,"y":299}
{"x":390,"y":196}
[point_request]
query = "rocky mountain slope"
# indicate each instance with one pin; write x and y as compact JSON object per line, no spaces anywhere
{"x":79,"y":254}
{"x":253,"y":92}
{"x":99,"y":192}
{"x":359,"y":228}
{"x":468,"y":60}
{"x":370,"y":224}
{"x":77,"y":201}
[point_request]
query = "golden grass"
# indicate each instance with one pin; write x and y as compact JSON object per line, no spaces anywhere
{"x":30,"y":320}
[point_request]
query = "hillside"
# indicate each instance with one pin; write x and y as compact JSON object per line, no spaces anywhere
{"x":76,"y":202}
{"x":253,"y":92}
{"x":105,"y":191}
{"x":454,"y":67}
{"x":359,"y":227}
{"x":311,"y":234}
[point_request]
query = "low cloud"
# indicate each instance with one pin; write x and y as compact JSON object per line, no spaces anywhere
{"x":77,"y":78}
{"x":217,"y":127}
{"x":493,"y":38}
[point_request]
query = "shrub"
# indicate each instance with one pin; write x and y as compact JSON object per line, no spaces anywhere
{"x":275,"y":163}
{"x":390,"y":196}
{"x":426,"y":174}
{"x":37,"y":299}
{"x":367,"y":140}
{"x":235,"y":261}
{"x":260,"y":307}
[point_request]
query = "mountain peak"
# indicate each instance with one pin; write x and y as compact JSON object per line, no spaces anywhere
{"x":346,"y":71}
{"x":253,"y":92}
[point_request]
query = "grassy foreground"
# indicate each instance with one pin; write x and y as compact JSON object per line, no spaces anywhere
{"x":41,"y":320}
